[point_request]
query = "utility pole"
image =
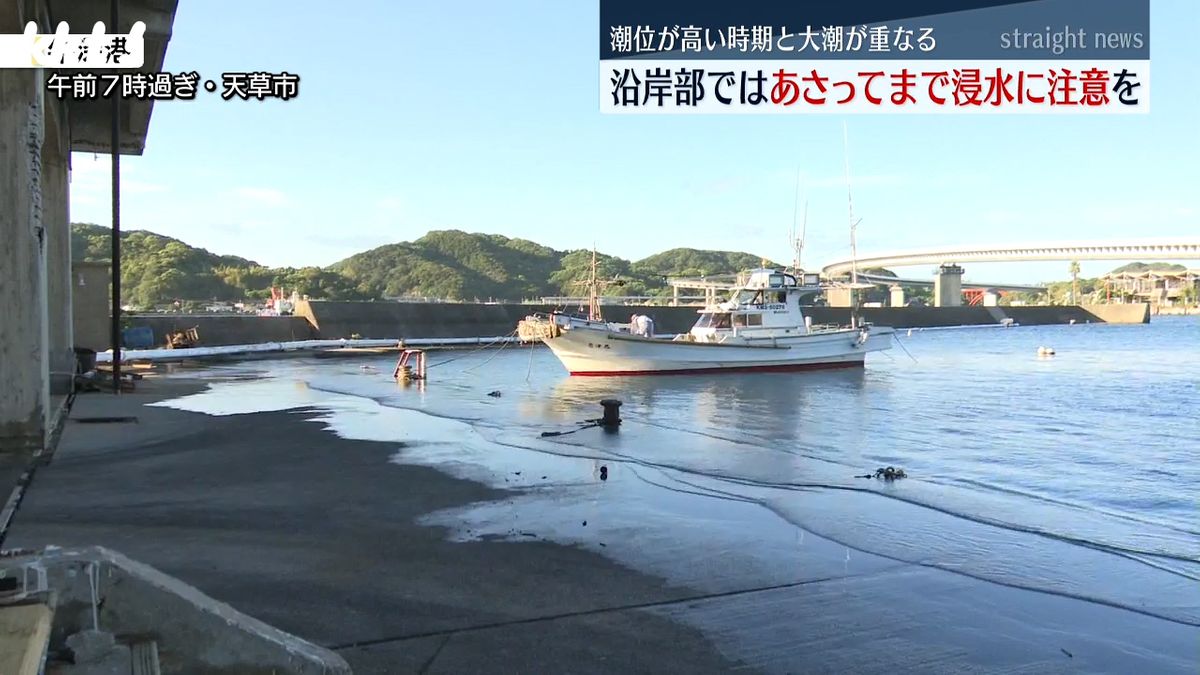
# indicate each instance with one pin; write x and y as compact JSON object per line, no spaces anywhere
{"x":115,"y":328}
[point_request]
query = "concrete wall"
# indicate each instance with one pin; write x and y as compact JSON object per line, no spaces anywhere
{"x":24,"y":319}
{"x":411,"y":320}
{"x":90,"y":304}
{"x":56,"y":218}
{"x":928,"y":317}
{"x":386,"y":320}
{"x":397,"y":320}
{"x":217,"y":330}
{"x":1131,"y":313}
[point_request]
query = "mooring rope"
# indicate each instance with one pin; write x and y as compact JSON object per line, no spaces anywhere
{"x":473,"y":351}
{"x":489,"y":359}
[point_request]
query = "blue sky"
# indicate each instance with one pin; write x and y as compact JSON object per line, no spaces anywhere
{"x":484,"y":117}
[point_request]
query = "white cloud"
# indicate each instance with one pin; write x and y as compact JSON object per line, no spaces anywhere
{"x":92,"y":175}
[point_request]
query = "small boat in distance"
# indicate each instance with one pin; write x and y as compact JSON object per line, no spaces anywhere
{"x":760,"y":327}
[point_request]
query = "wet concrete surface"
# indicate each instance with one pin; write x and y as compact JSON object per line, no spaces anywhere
{"x":318,"y":536}
{"x":365,"y":546}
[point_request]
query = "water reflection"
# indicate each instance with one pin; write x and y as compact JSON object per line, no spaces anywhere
{"x":763,"y":405}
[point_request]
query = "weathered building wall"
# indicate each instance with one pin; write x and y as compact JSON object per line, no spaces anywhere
{"x":24,"y":356}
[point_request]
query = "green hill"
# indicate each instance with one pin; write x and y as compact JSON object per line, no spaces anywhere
{"x":697,"y":262}
{"x":1149,"y":267}
{"x":447,"y":264}
{"x":158,"y":270}
{"x":454,"y":265}
{"x":459,"y":265}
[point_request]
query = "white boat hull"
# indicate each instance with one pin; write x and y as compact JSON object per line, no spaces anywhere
{"x":585,"y":350}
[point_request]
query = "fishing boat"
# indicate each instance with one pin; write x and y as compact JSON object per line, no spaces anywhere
{"x":760,"y":327}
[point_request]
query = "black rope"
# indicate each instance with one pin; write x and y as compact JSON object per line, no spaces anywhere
{"x":586,"y":424}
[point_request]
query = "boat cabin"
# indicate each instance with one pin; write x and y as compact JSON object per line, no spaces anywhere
{"x":766,"y":306}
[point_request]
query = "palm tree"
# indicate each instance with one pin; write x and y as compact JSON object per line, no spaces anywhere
{"x":1074,"y":282}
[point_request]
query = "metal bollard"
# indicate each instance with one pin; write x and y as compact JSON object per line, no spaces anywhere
{"x":612,"y":414}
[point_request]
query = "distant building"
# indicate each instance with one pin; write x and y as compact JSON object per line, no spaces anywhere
{"x":1155,"y":286}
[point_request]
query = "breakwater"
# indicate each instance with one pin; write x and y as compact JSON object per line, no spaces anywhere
{"x":332,"y":320}
{"x":222,"y":329}
{"x":384,"y":319}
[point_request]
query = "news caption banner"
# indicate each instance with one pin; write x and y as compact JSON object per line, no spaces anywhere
{"x":75,"y":56}
{"x":875,"y":56}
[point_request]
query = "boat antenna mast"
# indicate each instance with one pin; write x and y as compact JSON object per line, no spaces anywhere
{"x":797,"y":241}
{"x":593,"y":291}
{"x":853,"y":231}
{"x":594,"y":285}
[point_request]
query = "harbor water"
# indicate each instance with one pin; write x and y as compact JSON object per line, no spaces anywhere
{"x":1072,"y":478}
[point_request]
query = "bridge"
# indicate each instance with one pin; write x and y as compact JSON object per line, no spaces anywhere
{"x":1149,"y":249}
{"x":948,"y":283}
{"x":982,"y":285}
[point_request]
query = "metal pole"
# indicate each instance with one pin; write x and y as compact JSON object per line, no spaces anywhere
{"x":116,"y":223}
{"x":853,"y":226}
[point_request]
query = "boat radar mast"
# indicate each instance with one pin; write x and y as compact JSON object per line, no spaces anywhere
{"x":797,"y":240}
{"x":853,"y":232}
{"x":593,"y":291}
{"x":594,"y":285}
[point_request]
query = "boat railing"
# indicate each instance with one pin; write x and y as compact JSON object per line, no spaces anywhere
{"x":825,"y":327}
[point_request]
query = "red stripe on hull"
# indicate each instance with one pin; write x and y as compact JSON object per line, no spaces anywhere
{"x":790,"y":368}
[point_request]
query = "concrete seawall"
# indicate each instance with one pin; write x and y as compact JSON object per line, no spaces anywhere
{"x":385,"y":320}
{"x":217,"y":330}
{"x":929,"y":317}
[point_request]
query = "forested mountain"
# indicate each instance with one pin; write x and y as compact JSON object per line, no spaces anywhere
{"x":692,"y":262}
{"x":454,"y":265}
{"x":459,"y":265}
{"x":158,"y":270}
{"x":444,"y":264}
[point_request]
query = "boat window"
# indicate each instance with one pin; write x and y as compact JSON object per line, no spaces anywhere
{"x":747,"y":319}
{"x":705,"y":321}
{"x":720,"y":321}
{"x":748,"y":297}
{"x":776,"y":280}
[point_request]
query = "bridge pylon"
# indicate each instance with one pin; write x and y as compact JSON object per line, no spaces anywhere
{"x":947,"y":286}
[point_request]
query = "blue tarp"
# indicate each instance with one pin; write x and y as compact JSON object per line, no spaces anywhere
{"x":139,"y":337}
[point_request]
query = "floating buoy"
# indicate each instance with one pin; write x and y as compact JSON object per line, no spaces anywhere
{"x":1045,"y":351}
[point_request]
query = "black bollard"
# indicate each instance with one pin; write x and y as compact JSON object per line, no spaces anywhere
{"x":612,"y":414}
